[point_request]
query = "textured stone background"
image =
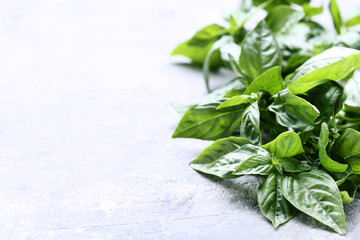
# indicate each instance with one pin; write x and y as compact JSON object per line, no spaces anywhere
{"x":85,"y":126}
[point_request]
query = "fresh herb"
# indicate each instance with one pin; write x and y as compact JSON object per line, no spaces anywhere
{"x":292,"y":114}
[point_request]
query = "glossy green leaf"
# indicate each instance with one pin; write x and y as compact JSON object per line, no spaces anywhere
{"x":340,"y":177}
{"x":334,"y":64}
{"x":250,"y":124}
{"x":347,"y":191}
{"x":236,"y":101}
{"x":232,"y":161}
{"x":293,"y":165}
{"x":336,"y":16}
{"x":327,"y":98}
{"x":221,"y":150}
{"x":257,"y":164}
{"x":205,"y":122}
{"x":325,"y":160}
{"x":287,"y":144}
{"x":281,"y":18}
{"x":316,"y":194}
{"x":272,"y":203}
{"x":293,"y":111}
{"x":270,"y":81}
{"x":311,"y":11}
{"x":348,"y":147}
{"x":259,"y":51}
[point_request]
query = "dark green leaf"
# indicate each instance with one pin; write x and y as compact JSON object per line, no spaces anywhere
{"x":226,"y":150}
{"x":293,"y":111}
{"x":272,"y":203}
{"x":347,"y":191}
{"x":340,"y":178}
{"x":293,"y":165}
{"x":287,"y":144}
{"x":259,"y":51}
{"x":327,"y":98}
{"x":325,"y":160}
{"x":348,"y":147}
{"x":336,"y":16}
{"x":281,"y":18}
{"x":270,"y":81}
{"x":257,"y":164}
{"x":316,"y":194}
{"x":207,"y":123}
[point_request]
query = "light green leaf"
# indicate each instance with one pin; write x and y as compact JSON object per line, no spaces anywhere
{"x":352,"y":90}
{"x":256,"y":164}
{"x":207,"y":35}
{"x":312,"y":11}
{"x":259,"y":51}
{"x":287,"y":144}
{"x":348,"y":147}
{"x":221,"y":150}
{"x":250,"y":124}
{"x":272,"y":203}
{"x":293,"y":111}
{"x":353,"y":21}
{"x":334,"y":64}
{"x":293,"y":165}
{"x":316,"y":194}
{"x":236,"y":101}
{"x":336,"y":16}
{"x":207,"y":123}
{"x":325,"y":160}
{"x":281,"y":18}
{"x":270,"y":81}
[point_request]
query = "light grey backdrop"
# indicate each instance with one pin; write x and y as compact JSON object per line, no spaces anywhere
{"x":85,"y":126}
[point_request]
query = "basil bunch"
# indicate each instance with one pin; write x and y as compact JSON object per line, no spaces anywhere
{"x":292,"y":114}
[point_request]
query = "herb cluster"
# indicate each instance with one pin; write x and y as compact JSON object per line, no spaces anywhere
{"x":292,"y":114}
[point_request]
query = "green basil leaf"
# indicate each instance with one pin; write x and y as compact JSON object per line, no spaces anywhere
{"x":352,"y":90}
{"x":259,"y":51}
{"x":221,"y":150}
{"x":270,"y":81}
{"x":272,"y":203}
{"x":197,"y":54}
{"x":206,"y":35}
{"x":340,"y":177}
{"x":347,"y":191}
{"x":336,"y":16}
{"x":236,"y":101}
{"x":316,"y":194}
{"x":325,"y":160}
{"x":203,"y":121}
{"x":293,"y":111}
{"x":312,"y":11}
{"x":353,"y":21}
{"x":250,"y":124}
{"x":287,"y":144}
{"x":296,"y":60}
{"x":281,"y":18}
{"x":348,"y":147}
{"x":327,"y":98}
{"x":333,"y":64}
{"x":293,"y":165}
{"x":231,"y":162}
{"x":257,"y":164}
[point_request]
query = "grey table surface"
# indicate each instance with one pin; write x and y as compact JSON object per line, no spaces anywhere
{"x":85,"y":126}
